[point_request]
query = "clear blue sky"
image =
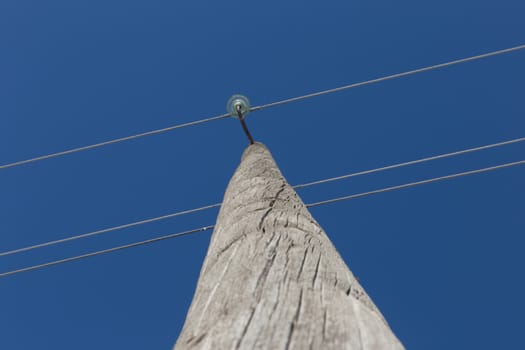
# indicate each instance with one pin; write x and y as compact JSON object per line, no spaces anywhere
{"x":444,"y":262}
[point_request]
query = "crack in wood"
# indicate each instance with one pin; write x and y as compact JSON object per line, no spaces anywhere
{"x":316,"y":273}
{"x":302,"y":264}
{"x":272,"y":202}
{"x":325,"y":315}
{"x":245,"y":330}
{"x":263,"y":276}
{"x":294,"y":321}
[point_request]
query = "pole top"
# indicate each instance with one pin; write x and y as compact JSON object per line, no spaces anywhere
{"x":236,"y":104}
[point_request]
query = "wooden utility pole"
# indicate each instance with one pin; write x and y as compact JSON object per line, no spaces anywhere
{"x":272,"y":279}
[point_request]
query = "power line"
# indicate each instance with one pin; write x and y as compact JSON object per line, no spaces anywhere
{"x":417,"y":183}
{"x":388,"y":77}
{"x":272,"y":104}
{"x":334,"y":200}
{"x":216,"y":205}
{"x":109,"y":229}
{"x":417,"y":161}
{"x":110,"y":142}
{"x":105,"y":251}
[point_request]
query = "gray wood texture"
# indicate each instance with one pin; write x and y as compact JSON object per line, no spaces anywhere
{"x":272,"y":279}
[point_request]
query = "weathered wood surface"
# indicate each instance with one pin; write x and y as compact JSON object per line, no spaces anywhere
{"x":272,"y":279}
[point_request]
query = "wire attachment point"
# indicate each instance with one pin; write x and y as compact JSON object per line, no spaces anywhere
{"x":238,"y":103}
{"x":239,"y":106}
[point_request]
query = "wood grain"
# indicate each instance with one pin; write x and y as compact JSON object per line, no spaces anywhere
{"x":272,"y":279}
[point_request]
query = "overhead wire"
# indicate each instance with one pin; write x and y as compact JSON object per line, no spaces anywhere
{"x":416,"y":183}
{"x":105,"y":251}
{"x":109,"y":229}
{"x":388,"y":77}
{"x":206,"y":228}
{"x":216,"y":205}
{"x":412,"y":162}
{"x":261,"y":107}
{"x":110,"y":142}
{"x":294,"y":99}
